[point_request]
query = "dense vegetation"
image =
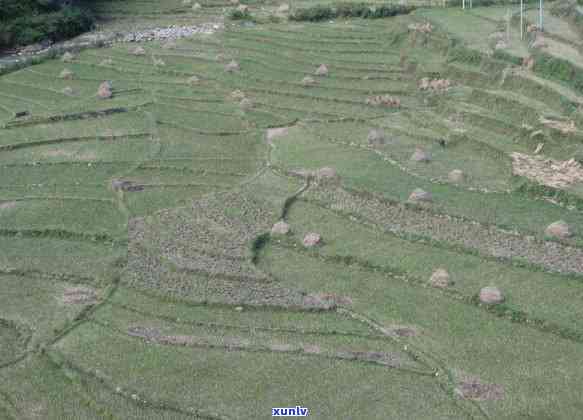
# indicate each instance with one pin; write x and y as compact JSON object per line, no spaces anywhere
{"x":29,"y":21}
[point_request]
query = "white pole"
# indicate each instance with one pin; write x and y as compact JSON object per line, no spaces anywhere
{"x":540,"y":16}
{"x":463,"y":4}
{"x":521,"y":20}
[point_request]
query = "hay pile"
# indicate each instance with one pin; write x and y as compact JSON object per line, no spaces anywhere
{"x":68,"y":90}
{"x":456,"y":176}
{"x":138,"y":51}
{"x":246,"y":103}
{"x":312,"y":239}
{"x":67,"y":58}
{"x":420,"y":155}
{"x":309,"y":81}
{"x":424,"y":28}
{"x":322,"y":70}
{"x":420,"y":196}
{"x":326,"y":174}
{"x":501,"y":45}
{"x":319,"y":301}
{"x":546,"y":171}
{"x":564,"y":126}
{"x":104,"y":91}
{"x":491,"y":295}
{"x":440,"y":278}
{"x":560,"y":230}
{"x":193,"y":80}
{"x":436,"y":85}
{"x":243,"y":8}
{"x":67,"y":74}
{"x":107,"y":62}
{"x":276,"y":132}
{"x":196,"y":6}
{"x":383,"y":100}
{"x":81,"y":295}
{"x":232,"y":67}
{"x":280,"y":228}
{"x":237,"y":95}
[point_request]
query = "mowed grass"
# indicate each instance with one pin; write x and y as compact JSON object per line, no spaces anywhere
{"x":203,"y":174}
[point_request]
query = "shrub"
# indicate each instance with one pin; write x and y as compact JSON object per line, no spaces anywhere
{"x":55,"y":25}
{"x":464,"y":55}
{"x":349,"y":10}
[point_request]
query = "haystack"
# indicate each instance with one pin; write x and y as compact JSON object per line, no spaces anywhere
{"x":283,"y":8}
{"x":327,"y":173}
{"x":440,"y":278}
{"x":107,"y":62}
{"x":104,"y":91}
{"x":421,"y":155}
{"x":419,"y":195}
{"x":280,"y":228}
{"x":68,"y":90}
{"x":138,"y":51}
{"x":309,"y":81}
{"x":243,"y":8}
{"x":246,"y":103}
{"x":559,"y":229}
{"x":322,"y":70}
{"x":193,"y":80}
{"x":312,"y":239}
{"x":491,"y":295}
{"x":376,"y":137}
{"x":233,"y":66}
{"x":237,"y":95}
{"x":456,"y":176}
{"x":67,"y":58}
{"x":383,"y":100}
{"x":67,"y":74}
{"x":196,"y":6}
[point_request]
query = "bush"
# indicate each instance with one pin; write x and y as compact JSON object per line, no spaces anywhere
{"x":464,"y":55}
{"x":55,"y":26}
{"x":349,"y":10}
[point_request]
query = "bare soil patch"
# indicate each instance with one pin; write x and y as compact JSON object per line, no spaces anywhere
{"x":471,"y":387}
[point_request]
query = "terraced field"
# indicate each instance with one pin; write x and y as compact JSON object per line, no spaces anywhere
{"x":142,"y":276}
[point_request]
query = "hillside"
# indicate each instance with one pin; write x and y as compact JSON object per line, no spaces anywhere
{"x":372,"y":218}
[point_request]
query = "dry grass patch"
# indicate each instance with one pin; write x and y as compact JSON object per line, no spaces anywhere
{"x":7,"y":205}
{"x":546,"y":171}
{"x":81,"y":295}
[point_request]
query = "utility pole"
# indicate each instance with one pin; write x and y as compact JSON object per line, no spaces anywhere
{"x":521,"y":20}
{"x":508,"y":19}
{"x":540,"y":16}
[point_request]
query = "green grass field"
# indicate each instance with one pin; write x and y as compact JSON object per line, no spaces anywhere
{"x":140,"y":279}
